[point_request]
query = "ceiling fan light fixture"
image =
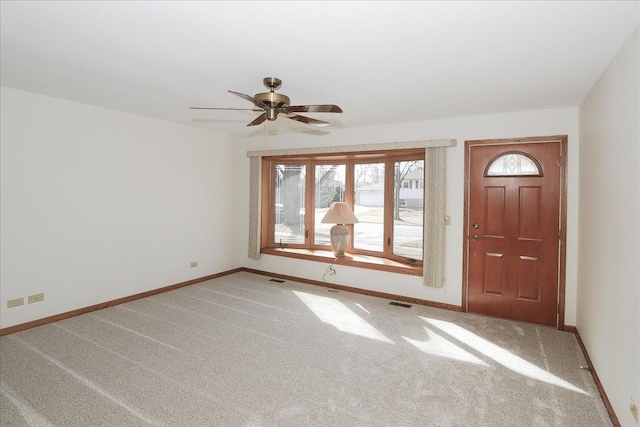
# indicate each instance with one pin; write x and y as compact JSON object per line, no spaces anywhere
{"x":272,"y":114}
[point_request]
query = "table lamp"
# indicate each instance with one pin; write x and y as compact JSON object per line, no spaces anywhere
{"x":340,"y":214}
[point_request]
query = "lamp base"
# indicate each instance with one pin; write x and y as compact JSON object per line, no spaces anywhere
{"x":339,"y":239}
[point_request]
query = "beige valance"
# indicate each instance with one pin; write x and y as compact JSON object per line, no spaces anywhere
{"x":336,"y":149}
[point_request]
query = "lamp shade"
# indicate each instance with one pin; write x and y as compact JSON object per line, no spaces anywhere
{"x":339,"y":213}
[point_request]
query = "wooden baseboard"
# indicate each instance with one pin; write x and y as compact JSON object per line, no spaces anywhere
{"x":358,"y":290}
{"x":603,"y":395}
{"x":73,"y":313}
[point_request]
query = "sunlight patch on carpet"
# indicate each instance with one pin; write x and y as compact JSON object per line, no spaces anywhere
{"x":500,"y":355}
{"x":335,"y":313}
{"x":438,"y":346}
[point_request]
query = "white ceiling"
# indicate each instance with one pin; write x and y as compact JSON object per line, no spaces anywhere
{"x":382,"y":62}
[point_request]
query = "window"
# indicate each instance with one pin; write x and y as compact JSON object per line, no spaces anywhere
{"x":408,"y":211}
{"x":369,"y":174}
{"x":288,"y":206}
{"x":329,"y":187}
{"x":379,"y":187}
{"x":369,"y":196}
{"x":513,"y":164}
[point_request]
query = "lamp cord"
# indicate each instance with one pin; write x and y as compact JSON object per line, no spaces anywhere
{"x":332,"y":272}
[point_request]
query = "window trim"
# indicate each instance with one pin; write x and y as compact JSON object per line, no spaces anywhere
{"x":388,"y":157}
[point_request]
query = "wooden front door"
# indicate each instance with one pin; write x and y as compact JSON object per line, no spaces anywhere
{"x":513,"y":230}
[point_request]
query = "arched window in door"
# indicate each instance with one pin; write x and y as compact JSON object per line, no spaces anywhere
{"x":513,"y":163}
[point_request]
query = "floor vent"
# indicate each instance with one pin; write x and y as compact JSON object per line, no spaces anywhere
{"x":276,"y":280}
{"x":399,"y":304}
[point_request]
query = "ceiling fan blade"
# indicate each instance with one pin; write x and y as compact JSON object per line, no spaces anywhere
{"x":303,"y":119}
{"x":250,"y":99}
{"x":259,"y":120}
{"x":221,"y":108}
{"x":328,"y":108}
{"x":243,"y":96}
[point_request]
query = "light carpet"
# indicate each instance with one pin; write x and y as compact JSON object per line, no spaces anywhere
{"x":241,"y":350}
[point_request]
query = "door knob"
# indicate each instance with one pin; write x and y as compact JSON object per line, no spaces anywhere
{"x":475,"y":237}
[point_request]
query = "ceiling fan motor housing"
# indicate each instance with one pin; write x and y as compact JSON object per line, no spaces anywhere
{"x":274,"y":101}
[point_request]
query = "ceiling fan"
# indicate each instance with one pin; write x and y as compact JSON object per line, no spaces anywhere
{"x":273,"y":104}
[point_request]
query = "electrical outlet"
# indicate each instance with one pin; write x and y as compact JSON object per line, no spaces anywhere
{"x":194,"y":264}
{"x":15,"y":302}
{"x":35,"y":298}
{"x":633,"y":408}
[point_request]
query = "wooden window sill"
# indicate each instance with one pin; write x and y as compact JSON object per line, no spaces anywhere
{"x":351,"y":260}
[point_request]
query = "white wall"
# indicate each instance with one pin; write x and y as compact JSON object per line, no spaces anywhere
{"x":98,"y":204}
{"x":535,"y":123}
{"x":609,"y":245}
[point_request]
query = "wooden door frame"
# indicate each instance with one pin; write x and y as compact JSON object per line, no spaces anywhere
{"x":562,"y":261}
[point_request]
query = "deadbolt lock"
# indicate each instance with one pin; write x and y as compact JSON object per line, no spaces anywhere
{"x":475,"y":225}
